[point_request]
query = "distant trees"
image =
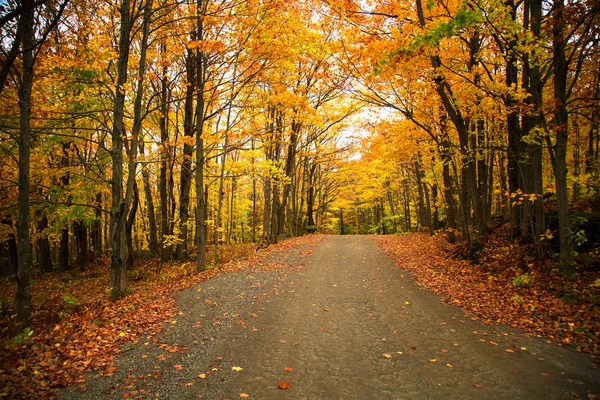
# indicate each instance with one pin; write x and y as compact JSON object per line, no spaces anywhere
{"x":496,"y":88}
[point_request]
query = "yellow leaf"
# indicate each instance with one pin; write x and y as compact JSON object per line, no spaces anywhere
{"x":236,"y":368}
{"x":202,"y":376}
{"x":433,"y":360}
{"x":387,"y":356}
{"x":244,"y":395}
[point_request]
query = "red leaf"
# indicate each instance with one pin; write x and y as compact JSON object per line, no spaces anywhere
{"x":284,"y":385}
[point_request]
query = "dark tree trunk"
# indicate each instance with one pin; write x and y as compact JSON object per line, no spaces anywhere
{"x":119,"y":205}
{"x":96,"y":234}
{"x":23,"y":245}
{"x":449,"y":188}
{"x":532,"y":81}
{"x":63,"y":250}
{"x":43,"y":245}
{"x":80,"y":231}
{"x":560,"y":127}
{"x":201,"y":191}
{"x":153,"y":232}
{"x":129,"y":226}
{"x":310,"y":195}
{"x":185,"y":182}
{"x":165,"y":254}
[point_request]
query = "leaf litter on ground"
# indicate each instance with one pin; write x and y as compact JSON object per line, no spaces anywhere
{"x":563,"y":310}
{"x":82,"y":332}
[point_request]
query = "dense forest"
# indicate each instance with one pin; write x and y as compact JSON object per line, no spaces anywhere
{"x":163,"y":128}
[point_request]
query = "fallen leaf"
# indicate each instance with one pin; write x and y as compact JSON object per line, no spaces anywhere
{"x":188,"y":384}
{"x":202,"y":376}
{"x":449,"y":365}
{"x":509,"y":350}
{"x":387,"y":355}
{"x":477,"y":385}
{"x":236,"y":368}
{"x":432,"y":360}
{"x":284,"y":385}
{"x":288,"y":368}
{"x":244,"y":395}
{"x":178,"y":367}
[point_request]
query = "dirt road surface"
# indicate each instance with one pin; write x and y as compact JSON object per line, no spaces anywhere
{"x":338,"y":321}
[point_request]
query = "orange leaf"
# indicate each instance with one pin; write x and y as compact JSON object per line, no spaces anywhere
{"x":178,"y":367}
{"x":288,"y":368}
{"x":284,"y":385}
{"x":244,"y":395}
{"x":477,"y":385}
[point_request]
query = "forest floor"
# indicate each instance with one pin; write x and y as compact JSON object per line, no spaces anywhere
{"x":317,"y":317}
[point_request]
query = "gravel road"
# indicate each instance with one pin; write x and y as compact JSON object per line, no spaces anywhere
{"x":338,"y":321}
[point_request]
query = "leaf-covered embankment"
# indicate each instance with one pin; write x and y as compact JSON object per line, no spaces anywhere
{"x":504,"y":287}
{"x":76,"y":330}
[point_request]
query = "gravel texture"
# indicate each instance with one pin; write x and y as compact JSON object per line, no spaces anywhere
{"x":338,"y":321}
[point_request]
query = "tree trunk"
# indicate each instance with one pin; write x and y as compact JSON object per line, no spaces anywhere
{"x":23,"y":245}
{"x":165,"y":231}
{"x":81,"y":239}
{"x":96,"y":234}
{"x":43,"y":245}
{"x":129,"y":226}
{"x":560,"y":127}
{"x":153,"y":234}
{"x":185,"y":182}
{"x":200,"y":115}
{"x":119,"y":205}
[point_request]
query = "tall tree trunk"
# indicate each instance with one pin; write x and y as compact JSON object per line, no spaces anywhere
{"x":119,"y":205}
{"x":560,"y":127}
{"x":200,"y":115}
{"x":220,"y":198}
{"x":165,"y":231}
{"x":534,"y":122}
{"x":254,"y":216}
{"x":23,"y":245}
{"x":185,"y":182}
{"x":153,"y":232}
